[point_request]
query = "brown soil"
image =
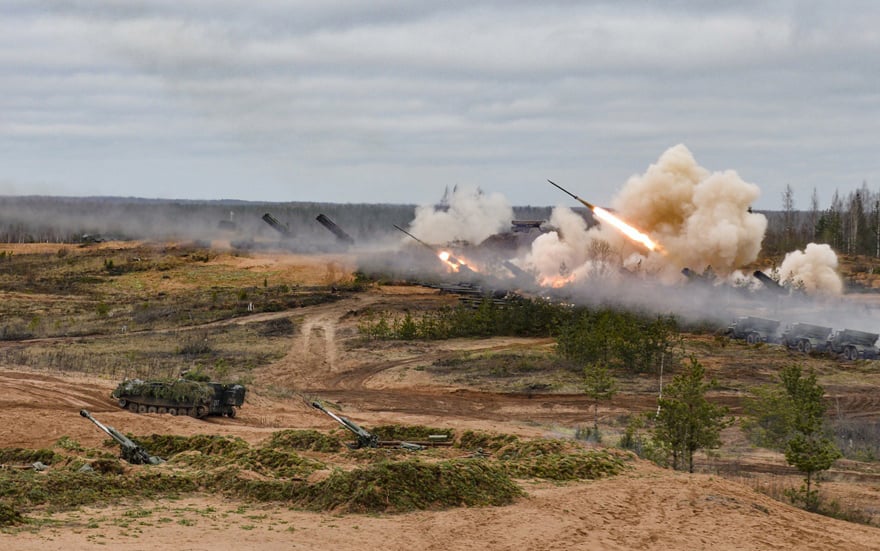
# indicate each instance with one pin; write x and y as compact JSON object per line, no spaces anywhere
{"x":380,"y":383}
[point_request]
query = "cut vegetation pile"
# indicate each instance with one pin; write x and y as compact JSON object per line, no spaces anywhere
{"x":279,"y":470}
{"x":178,"y":390}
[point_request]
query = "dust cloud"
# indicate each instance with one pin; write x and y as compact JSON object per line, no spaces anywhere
{"x":814,"y":269}
{"x":469,"y":215}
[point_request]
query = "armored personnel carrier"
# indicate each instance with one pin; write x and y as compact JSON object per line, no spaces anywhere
{"x":179,"y":397}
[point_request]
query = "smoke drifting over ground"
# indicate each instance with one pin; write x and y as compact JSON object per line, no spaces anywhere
{"x":469,"y":215}
{"x":815,"y":268}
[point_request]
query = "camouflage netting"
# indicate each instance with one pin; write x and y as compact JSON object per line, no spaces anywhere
{"x":181,"y":391}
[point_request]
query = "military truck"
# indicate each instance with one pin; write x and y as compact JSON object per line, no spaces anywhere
{"x":854,"y":344}
{"x":806,"y":337}
{"x":754,"y":330}
{"x":179,"y":397}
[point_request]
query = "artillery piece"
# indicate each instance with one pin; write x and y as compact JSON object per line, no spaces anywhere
{"x":129,"y":450}
{"x":365,"y":439}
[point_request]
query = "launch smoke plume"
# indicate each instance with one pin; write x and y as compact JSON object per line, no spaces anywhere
{"x":815,"y":268}
{"x":700,"y":218}
{"x":471,"y":216}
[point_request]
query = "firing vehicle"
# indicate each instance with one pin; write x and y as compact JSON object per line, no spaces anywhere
{"x":179,"y":397}
{"x":129,"y":450}
{"x":754,"y":330}
{"x":806,"y":337}
{"x":854,"y":344}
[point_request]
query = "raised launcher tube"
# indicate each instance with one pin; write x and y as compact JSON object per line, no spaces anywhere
{"x":769,"y":283}
{"x":277,"y":226}
{"x":336,"y":230}
{"x":130,"y":451}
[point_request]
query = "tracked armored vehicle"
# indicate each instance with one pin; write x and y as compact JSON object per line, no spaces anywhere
{"x":180,"y":397}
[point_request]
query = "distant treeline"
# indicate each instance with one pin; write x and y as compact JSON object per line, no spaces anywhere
{"x":63,"y":219}
{"x":850,"y":224}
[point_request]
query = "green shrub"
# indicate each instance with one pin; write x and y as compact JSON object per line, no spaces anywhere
{"x":8,"y":515}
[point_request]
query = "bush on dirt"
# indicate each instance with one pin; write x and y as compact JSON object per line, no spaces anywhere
{"x":8,"y":515}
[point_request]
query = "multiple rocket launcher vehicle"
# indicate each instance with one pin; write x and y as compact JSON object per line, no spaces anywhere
{"x":806,"y":337}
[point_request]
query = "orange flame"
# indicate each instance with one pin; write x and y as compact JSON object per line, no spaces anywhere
{"x":627,"y":230}
{"x":453,"y":262}
{"x":556,"y":282}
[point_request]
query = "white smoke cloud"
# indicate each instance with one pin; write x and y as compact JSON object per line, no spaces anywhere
{"x":815,"y":268}
{"x":555,"y":254}
{"x":472,"y":216}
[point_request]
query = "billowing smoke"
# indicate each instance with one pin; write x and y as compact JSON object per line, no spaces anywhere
{"x":471,"y":216}
{"x":814,"y":268}
{"x":555,"y":254}
{"x":701,"y":219}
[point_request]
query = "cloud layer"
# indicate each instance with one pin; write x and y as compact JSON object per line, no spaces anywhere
{"x":390,"y":102}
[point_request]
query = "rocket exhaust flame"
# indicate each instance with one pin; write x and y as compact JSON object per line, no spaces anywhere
{"x":455,"y":264}
{"x":629,"y":231}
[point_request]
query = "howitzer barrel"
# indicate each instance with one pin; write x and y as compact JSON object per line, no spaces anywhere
{"x":102,"y":426}
{"x":365,"y":439}
{"x":130,"y":451}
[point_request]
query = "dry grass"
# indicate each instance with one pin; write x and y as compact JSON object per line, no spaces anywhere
{"x":230,"y":351}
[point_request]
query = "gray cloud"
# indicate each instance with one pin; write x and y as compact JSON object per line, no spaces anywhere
{"x":421,"y":95}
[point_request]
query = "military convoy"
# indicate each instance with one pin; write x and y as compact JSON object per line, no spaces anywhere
{"x":806,"y":337}
{"x":179,"y":397}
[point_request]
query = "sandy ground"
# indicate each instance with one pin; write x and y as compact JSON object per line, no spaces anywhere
{"x":646,"y":508}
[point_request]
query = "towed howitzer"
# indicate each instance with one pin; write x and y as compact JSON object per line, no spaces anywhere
{"x":130,"y":451}
{"x":365,"y":439}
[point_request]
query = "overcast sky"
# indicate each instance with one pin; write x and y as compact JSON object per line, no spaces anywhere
{"x":380,"y":101}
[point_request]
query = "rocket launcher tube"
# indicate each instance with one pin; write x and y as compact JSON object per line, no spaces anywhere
{"x":587,"y":204}
{"x":414,"y":237}
{"x":629,"y":231}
